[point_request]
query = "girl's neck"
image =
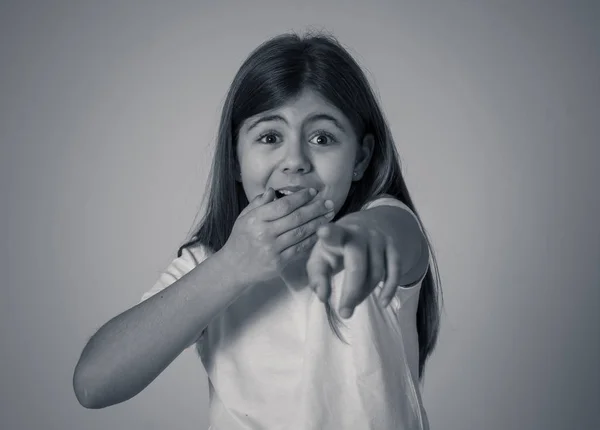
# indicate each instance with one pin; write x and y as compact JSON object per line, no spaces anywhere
{"x":295,"y":275}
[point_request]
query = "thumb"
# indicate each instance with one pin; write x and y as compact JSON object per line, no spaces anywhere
{"x":259,"y":200}
{"x":333,"y":237}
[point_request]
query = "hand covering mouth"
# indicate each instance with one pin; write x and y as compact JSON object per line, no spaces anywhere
{"x":286,"y":191}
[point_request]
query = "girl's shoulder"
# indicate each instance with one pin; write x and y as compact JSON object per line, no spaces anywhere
{"x":191,"y":256}
{"x":195,"y":253}
{"x":385,"y":200}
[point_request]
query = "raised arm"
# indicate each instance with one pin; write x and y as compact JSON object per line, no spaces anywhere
{"x":126,"y":354}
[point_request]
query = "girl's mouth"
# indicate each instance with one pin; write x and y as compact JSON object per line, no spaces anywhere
{"x":279,"y":194}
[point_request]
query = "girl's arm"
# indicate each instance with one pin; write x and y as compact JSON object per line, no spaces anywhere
{"x":404,"y":229}
{"x":132,"y":349}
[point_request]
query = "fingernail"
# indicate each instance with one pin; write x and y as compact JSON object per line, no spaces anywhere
{"x":346,"y":313}
{"x":328,"y":204}
{"x":312,"y":192}
{"x":329,"y":214}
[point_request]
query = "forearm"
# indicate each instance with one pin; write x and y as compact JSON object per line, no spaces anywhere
{"x":132,"y":349}
{"x":402,"y":228}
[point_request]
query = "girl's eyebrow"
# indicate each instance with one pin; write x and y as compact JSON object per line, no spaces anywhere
{"x":311,"y":118}
{"x":326,"y":117}
{"x":267,"y":118}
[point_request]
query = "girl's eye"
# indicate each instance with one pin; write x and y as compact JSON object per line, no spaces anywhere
{"x":270,"y":138}
{"x":322,"y":137}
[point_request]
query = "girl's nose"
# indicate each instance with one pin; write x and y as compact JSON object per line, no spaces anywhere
{"x":295,"y":159}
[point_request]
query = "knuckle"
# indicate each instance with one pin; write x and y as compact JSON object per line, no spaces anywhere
{"x":297,"y":216}
{"x":306,"y":244}
{"x":261,"y":234}
{"x":302,"y":246}
{"x":300,"y":231}
{"x":284,"y":205}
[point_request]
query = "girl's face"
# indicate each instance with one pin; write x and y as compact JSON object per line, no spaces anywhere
{"x":308,"y":143}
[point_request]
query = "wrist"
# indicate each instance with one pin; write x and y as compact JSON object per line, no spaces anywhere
{"x":238,"y":269}
{"x":229,"y":264}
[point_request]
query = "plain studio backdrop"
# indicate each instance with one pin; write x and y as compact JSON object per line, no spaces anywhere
{"x":108,"y":116}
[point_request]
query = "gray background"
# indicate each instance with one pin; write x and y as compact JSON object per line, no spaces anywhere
{"x":108,"y":113}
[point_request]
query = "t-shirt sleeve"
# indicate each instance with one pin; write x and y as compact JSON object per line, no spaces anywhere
{"x":406,"y":292}
{"x":190,"y":258}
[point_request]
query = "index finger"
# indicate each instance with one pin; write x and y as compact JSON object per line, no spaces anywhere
{"x":333,"y":237}
{"x":318,"y":269}
{"x":259,"y":200}
{"x":353,"y":291}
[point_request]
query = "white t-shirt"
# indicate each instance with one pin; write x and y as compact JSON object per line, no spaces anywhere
{"x":273,"y":361}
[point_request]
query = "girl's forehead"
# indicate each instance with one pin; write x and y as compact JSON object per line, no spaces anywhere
{"x":306,"y":104}
{"x":306,"y":100}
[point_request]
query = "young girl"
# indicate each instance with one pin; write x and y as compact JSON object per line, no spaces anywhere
{"x":307,"y":288}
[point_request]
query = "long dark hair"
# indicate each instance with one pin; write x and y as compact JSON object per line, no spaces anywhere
{"x":274,"y":73}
